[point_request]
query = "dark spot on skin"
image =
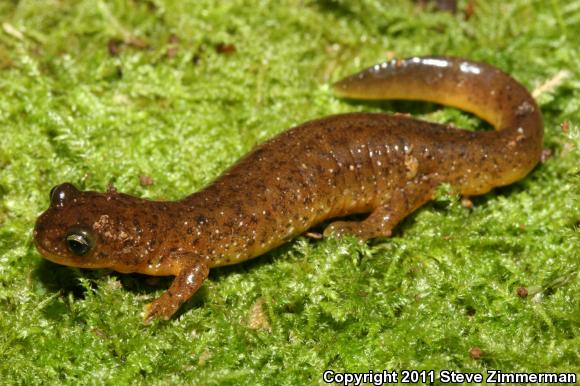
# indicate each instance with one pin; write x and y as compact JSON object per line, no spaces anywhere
{"x":137,"y":226}
{"x":201,"y":220}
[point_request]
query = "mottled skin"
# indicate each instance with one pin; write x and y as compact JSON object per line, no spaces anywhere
{"x":382,"y":164}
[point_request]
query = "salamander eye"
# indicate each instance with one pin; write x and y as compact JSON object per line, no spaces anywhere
{"x":62,"y":193}
{"x":79,"y":241}
{"x":52,"y":192}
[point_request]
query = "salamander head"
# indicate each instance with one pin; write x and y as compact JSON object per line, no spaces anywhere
{"x":97,"y":230}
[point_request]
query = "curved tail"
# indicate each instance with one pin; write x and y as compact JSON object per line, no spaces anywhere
{"x":474,"y":87}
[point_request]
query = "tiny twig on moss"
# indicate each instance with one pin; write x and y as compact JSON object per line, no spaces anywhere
{"x":12,"y":31}
{"x":551,"y":84}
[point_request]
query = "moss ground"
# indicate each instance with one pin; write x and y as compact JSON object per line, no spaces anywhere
{"x":94,"y":92}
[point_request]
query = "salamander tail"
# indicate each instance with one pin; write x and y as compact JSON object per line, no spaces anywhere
{"x":475,"y":87}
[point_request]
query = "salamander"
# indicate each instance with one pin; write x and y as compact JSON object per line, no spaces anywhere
{"x":387,"y":165}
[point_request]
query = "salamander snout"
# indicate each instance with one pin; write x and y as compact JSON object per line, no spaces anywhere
{"x":68,"y":245}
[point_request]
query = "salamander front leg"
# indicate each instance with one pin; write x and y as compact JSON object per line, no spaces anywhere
{"x":185,"y":284}
{"x":388,"y":214}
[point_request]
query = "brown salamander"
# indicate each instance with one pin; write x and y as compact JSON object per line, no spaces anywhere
{"x":383,"y":164}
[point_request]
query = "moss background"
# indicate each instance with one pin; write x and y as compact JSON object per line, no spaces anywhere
{"x":93,"y":92}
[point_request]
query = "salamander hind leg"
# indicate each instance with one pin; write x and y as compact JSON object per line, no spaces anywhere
{"x":185,"y":284}
{"x":390,"y":212}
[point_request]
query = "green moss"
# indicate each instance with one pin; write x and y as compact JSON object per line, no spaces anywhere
{"x":447,"y":280}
